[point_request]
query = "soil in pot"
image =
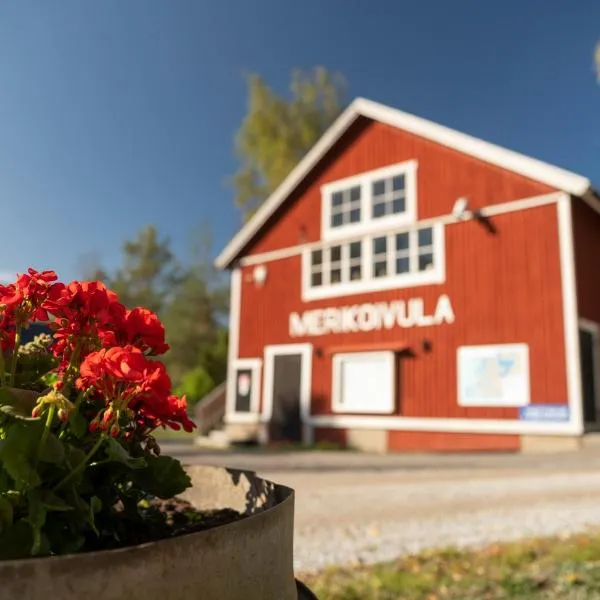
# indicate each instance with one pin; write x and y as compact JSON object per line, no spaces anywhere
{"x":163,"y":519}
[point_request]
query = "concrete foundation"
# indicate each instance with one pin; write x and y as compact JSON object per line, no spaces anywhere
{"x":544,"y":443}
{"x":368,"y":440}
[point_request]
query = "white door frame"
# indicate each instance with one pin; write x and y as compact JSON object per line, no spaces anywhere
{"x":305,"y":351}
{"x":593,"y":329}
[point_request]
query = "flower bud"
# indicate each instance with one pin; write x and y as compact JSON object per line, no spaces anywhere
{"x":63,"y":415}
{"x":114,"y":430}
{"x":93,"y":426}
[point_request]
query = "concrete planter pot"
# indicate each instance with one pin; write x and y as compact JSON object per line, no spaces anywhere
{"x":251,"y":559}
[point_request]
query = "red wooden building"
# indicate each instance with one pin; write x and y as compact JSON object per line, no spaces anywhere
{"x":409,"y":287}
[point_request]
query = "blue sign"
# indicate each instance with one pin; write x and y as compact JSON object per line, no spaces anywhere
{"x":556,"y":413}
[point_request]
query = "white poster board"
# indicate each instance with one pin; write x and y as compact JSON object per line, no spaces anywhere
{"x":493,"y":375}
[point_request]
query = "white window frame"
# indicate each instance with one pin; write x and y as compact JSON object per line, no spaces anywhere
{"x":368,"y":283}
{"x":255,"y":366}
{"x":336,"y":384}
{"x":367,"y":224}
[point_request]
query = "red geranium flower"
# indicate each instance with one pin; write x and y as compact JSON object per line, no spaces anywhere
{"x":139,"y":327}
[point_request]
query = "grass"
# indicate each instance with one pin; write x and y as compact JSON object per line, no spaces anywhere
{"x":548,"y":569}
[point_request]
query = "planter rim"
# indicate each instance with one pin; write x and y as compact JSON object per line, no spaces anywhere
{"x":287,"y":495}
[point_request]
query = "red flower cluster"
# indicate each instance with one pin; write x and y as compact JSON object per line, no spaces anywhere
{"x":24,"y":301}
{"x":95,"y":335}
{"x":130,"y":381}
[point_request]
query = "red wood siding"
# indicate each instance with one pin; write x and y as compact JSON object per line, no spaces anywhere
{"x":443,"y":176}
{"x":586,"y":234}
{"x":431,"y":441}
{"x":504,"y":288}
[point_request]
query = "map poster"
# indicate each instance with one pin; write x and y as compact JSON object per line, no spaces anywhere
{"x":493,"y":375}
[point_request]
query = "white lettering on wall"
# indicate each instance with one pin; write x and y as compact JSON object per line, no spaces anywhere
{"x":370,"y":317}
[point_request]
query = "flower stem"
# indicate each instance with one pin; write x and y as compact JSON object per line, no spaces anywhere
{"x":68,"y":380}
{"x":82,"y":465}
{"x":46,"y":432}
{"x":15,"y":355}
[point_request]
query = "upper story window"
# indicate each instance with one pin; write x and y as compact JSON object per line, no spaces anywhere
{"x":373,"y":262}
{"x":369,"y":202}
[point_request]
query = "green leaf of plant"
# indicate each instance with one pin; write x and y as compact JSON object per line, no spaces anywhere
{"x":53,"y":450}
{"x":36,"y":518}
{"x":17,"y":406}
{"x":115,"y":452}
{"x":16,"y":541}
{"x":78,"y":424}
{"x":51,"y":502}
{"x":163,"y":477}
{"x":17,"y":453}
{"x":6,"y":513}
{"x":86,"y":511}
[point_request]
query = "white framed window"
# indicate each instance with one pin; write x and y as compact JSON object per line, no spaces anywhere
{"x":404,"y":258}
{"x":371,"y":201}
{"x":243,"y":388}
{"x":336,"y":264}
{"x":364,"y":382}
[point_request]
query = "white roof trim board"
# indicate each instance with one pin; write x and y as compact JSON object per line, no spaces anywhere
{"x":531,"y":168}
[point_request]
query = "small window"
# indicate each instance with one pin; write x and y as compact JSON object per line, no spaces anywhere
{"x":355,"y":261}
{"x":380,"y":257}
{"x":316,"y":268}
{"x":364,"y":383}
{"x":246,"y":374}
{"x":345,"y":207}
{"x":425,"y":241}
{"x":335,"y":264}
{"x":388,"y":196}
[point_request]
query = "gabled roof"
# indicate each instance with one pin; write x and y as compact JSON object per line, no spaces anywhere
{"x":531,"y":168}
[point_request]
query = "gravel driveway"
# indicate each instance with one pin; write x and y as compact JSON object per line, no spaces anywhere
{"x":362,"y":508}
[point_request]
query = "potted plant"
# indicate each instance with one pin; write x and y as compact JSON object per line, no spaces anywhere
{"x":88,"y":505}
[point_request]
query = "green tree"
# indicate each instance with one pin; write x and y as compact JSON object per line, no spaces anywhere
{"x":149,"y":273}
{"x":278,"y":131}
{"x":196,"y":314}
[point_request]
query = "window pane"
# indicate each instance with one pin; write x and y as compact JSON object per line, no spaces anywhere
{"x":336,"y":275}
{"x":355,"y":272}
{"x":366,"y":385}
{"x":380,"y":269}
{"x":402,"y":265}
{"x":426,"y":237}
{"x":379,"y":188}
{"x":355,"y":194}
{"x":399,"y":206}
{"x":317,"y":257}
{"x":355,"y":250}
{"x":336,"y":220}
{"x":316,"y":280}
{"x":398,"y":183}
{"x":337,"y":199}
{"x":336,"y":253}
{"x":379,"y":245}
{"x":378,"y":210}
{"x":355,"y":215}
{"x":425,"y":262}
{"x":402,"y":241}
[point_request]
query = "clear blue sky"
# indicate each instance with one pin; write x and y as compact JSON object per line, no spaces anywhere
{"x":115,"y":114}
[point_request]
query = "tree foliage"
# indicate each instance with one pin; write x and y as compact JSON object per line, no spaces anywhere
{"x":149,"y":272}
{"x":277,"y":131}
